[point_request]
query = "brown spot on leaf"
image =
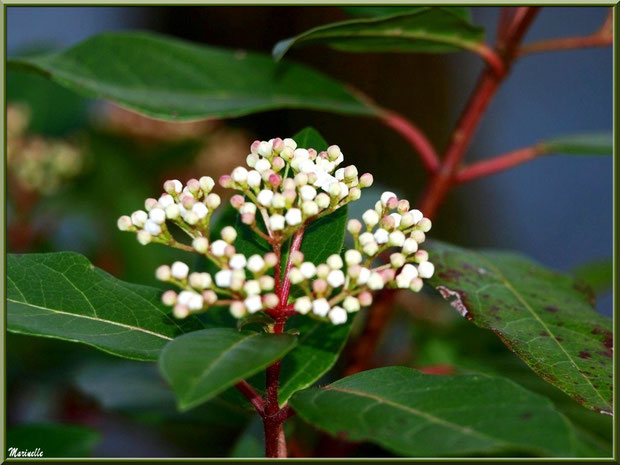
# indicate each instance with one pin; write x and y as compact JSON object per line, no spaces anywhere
{"x":450,"y":275}
{"x":551,"y":309}
{"x":584,"y":354}
{"x":526,"y":416}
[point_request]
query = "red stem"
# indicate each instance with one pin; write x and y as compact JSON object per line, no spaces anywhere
{"x":414,"y":136}
{"x":286,"y":285}
{"x":497,"y":164}
{"x":567,"y":43}
{"x":254,"y":397}
{"x":486,"y":88}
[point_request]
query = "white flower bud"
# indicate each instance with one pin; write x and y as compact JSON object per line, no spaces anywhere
{"x":351,"y":304}
{"x":386,"y":196}
{"x":309,"y":208}
{"x":240,"y":175}
{"x":276,"y":222}
{"x":223,"y":278}
{"x":200,"y":209}
{"x":396,"y":238}
{"x":370,"y":248}
{"x":364,"y":276}
{"x":416,"y":285}
{"x":353,"y":257}
{"x":403,"y":281}
{"x":337,"y":315}
{"x":152,"y":228}
{"x":229,"y":234}
{"x":303,"y":305}
{"x":237,"y":261}
{"x":165,"y":201}
{"x":180,"y":311}
{"x":375,"y":281}
{"x":264,"y":149}
{"x":307,"y":192}
{"x":237,"y":309}
{"x":322,"y":200}
{"x":262,"y":165}
{"x":290,"y":143}
{"x":397,"y":260}
{"x":256,"y":263}
{"x":266,"y":283}
{"x":253,"y":303}
{"x":293,"y":216}
{"x":425,"y":225}
{"x":371,"y":218}
{"x":179,"y":270}
{"x":206,"y":183}
{"x":124,"y":223}
{"x":426,"y":270}
{"x":333,"y":152}
{"x":251,"y":160}
{"x":334,"y":261}
{"x":173,"y":211}
{"x":200,"y":244}
{"x":320,"y":307}
{"x":335,"y":189}
{"x":173,"y":186}
{"x":254,"y":178}
{"x":295,"y":276}
{"x":339,"y":174}
{"x":163,"y":273}
{"x":213,"y":201}
{"x":409,"y":270}
{"x":218,"y":248}
{"x":278,"y":201}
{"x":191,"y":218}
{"x":307,"y":269}
{"x":144,"y":237}
{"x":417,"y":215}
{"x":265,"y":197}
{"x":381,"y":236}
{"x":366,"y":238}
{"x":200,"y":280}
{"x":335,"y":278}
{"x":252,"y":287}
{"x":247,"y":207}
{"x":138,"y":218}
{"x":397,"y":219}
{"x":169,"y":298}
{"x":410,"y":246}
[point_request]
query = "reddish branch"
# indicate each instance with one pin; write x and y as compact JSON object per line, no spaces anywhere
{"x":414,"y":136}
{"x":254,"y":397}
{"x":497,"y":164}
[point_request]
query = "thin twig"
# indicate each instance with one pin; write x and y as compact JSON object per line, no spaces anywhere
{"x":497,"y":164}
{"x":254,"y":397}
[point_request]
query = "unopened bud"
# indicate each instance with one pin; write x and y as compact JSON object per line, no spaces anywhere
{"x":425,"y":225}
{"x":124,"y":223}
{"x":163,"y":273}
{"x":213,"y":201}
{"x":420,"y":256}
{"x":365,"y":180}
{"x":354,"y":227}
{"x":206,"y":183}
{"x":169,"y":298}
{"x":200,"y":244}
{"x":270,"y":300}
{"x":226,"y":181}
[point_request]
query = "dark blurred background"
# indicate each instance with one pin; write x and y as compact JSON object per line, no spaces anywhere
{"x":557,"y":210}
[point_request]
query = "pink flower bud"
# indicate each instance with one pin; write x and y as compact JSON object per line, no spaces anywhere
{"x":210,"y":297}
{"x":388,"y":222}
{"x":188,"y":201}
{"x":354,"y":227}
{"x":403,"y":206}
{"x":288,"y":184}
{"x":392,"y":203}
{"x":278,"y":145}
{"x":229,"y":251}
{"x":248,"y":218}
{"x":193,"y":185}
{"x":271,"y":259}
{"x":237,"y":201}
{"x":297,"y":257}
{"x":365,"y":180}
{"x":388,"y":274}
{"x":365,"y":299}
{"x":254,"y":146}
{"x":149,"y":204}
{"x":275,"y":180}
{"x":277,"y":164}
{"x":319,"y":286}
{"x":312,"y":154}
{"x":226,"y":181}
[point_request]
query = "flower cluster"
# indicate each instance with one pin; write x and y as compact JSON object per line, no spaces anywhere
{"x":289,"y":187}
{"x":38,"y":163}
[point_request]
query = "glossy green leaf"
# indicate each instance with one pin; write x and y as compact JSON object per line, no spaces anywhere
{"x":597,"y":274}
{"x":52,"y":440}
{"x":580,"y":144}
{"x":420,"y":30}
{"x":318,"y":347}
{"x":172,"y":79}
{"x":414,"y":414}
{"x":62,"y":295}
{"x":544,"y":317}
{"x":200,"y":365}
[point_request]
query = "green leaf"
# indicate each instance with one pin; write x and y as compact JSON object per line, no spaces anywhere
{"x":318,"y":347}
{"x":376,"y":11}
{"x":580,"y":144}
{"x":420,"y":30}
{"x":597,"y":274}
{"x":52,"y":439}
{"x":176,"y":80}
{"x":544,"y":317}
{"x":202,"y":364}
{"x":62,"y":295}
{"x":414,"y":414}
